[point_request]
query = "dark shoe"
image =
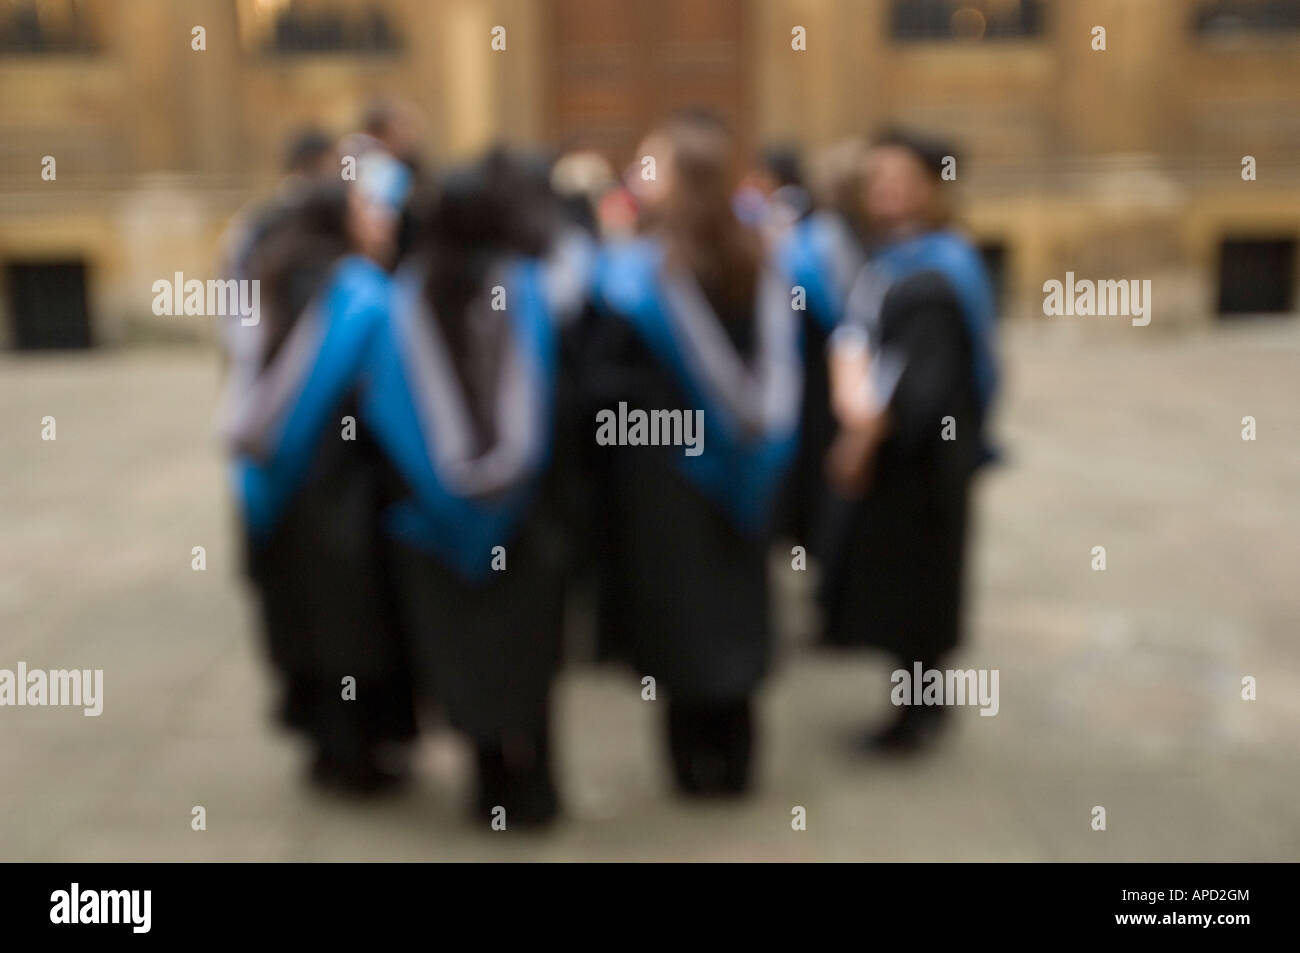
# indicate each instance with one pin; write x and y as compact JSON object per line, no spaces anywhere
{"x":914,"y":729}
{"x":711,"y":747}
{"x":527,"y":803}
{"x":354,"y":776}
{"x":519,"y":782}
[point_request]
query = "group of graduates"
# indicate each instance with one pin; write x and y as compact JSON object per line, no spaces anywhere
{"x":412,"y":422}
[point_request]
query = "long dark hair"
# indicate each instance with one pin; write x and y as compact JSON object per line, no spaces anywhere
{"x":699,"y":222}
{"x":304,"y":237}
{"x":481,"y":213}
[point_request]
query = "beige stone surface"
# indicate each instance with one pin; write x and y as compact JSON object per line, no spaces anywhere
{"x":1119,"y":689}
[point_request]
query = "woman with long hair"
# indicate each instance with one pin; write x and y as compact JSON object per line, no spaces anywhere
{"x":692,"y":321}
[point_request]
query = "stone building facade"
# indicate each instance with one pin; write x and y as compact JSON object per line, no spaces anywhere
{"x":1123,"y":162}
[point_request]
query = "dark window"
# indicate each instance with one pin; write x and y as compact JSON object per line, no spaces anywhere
{"x":1232,"y":17}
{"x":341,"y":29}
{"x":43,"y":26}
{"x":911,"y":20}
{"x":47,"y":302}
{"x":995,"y":263}
{"x":1257,"y":276}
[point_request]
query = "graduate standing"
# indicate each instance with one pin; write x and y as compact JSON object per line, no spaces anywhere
{"x":913,"y":377}
{"x":308,"y":489}
{"x":465,"y":401}
{"x":692,"y":317}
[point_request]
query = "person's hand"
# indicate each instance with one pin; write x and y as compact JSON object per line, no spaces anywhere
{"x":852,"y":398}
{"x":851,"y":457}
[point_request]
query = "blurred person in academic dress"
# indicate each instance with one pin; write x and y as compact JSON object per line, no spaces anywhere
{"x":692,"y":316}
{"x":390,"y":168}
{"x":468,"y":401}
{"x":913,"y":377}
{"x":307,"y":481}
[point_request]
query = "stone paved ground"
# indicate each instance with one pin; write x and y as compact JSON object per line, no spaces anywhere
{"x":1118,"y":689}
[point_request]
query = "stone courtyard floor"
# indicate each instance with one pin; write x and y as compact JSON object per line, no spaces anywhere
{"x":1119,"y":688}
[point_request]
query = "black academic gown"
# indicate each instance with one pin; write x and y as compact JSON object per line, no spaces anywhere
{"x":822,"y":255}
{"x":486,"y":650}
{"x":322,"y":586}
{"x":805,"y":509}
{"x":682,"y":592}
{"x":327,"y":606}
{"x":895,"y":581}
